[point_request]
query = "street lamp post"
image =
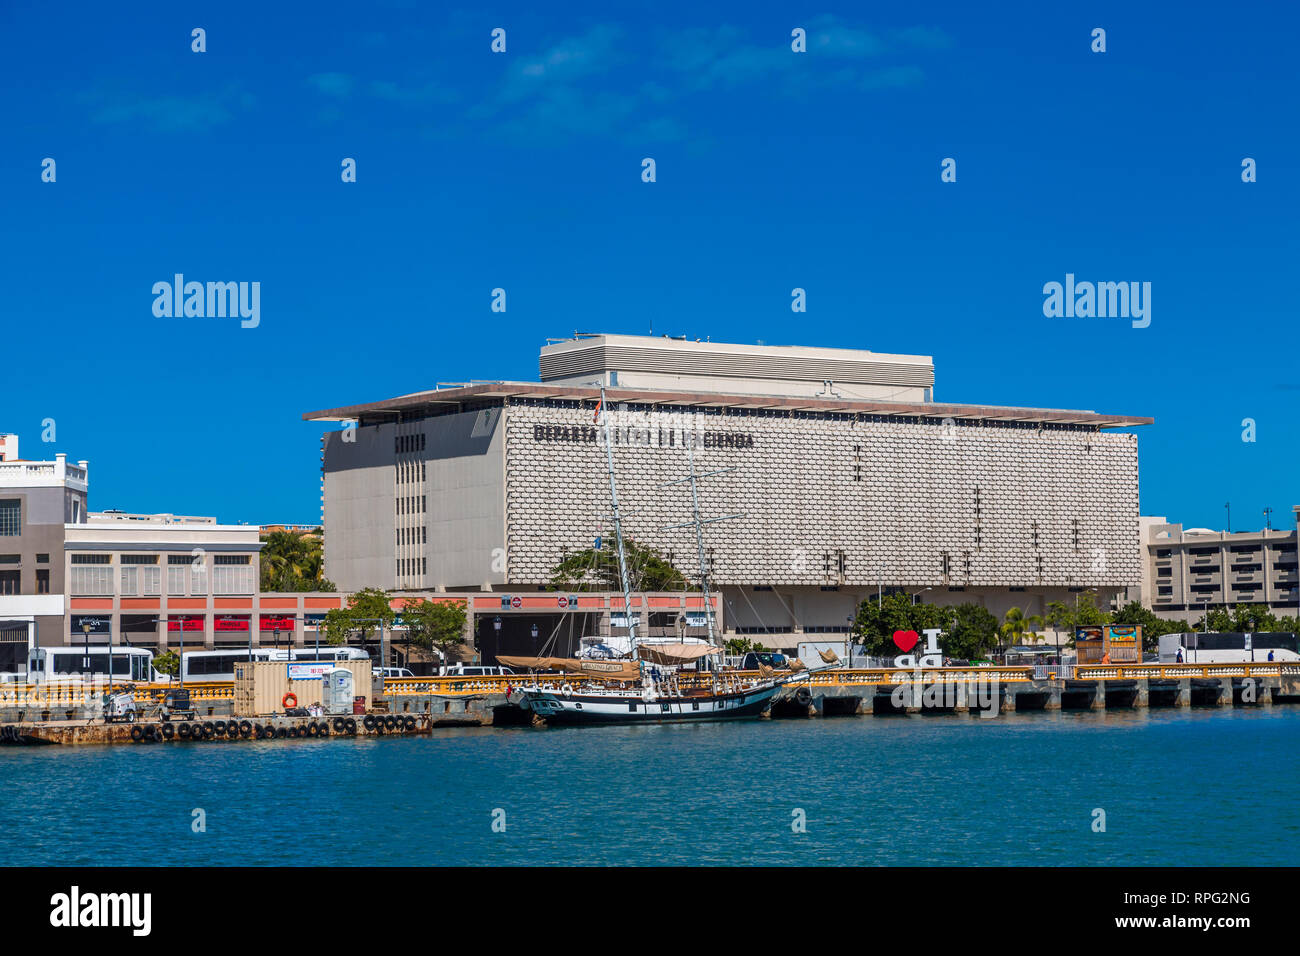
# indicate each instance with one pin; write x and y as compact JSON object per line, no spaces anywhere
{"x":85,"y":631}
{"x":922,"y":591}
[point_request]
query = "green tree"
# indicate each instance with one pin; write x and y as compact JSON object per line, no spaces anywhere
{"x":875,"y":624}
{"x":293,"y":561}
{"x":592,"y":570}
{"x":737,"y":646}
{"x":435,"y":624}
{"x":1082,"y":612}
{"x":972,"y":633}
{"x":1134,"y":614}
{"x":168,"y":662}
{"x":1253,"y":618}
{"x":365,"y":609}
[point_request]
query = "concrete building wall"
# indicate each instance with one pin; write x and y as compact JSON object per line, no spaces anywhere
{"x":466,"y":484}
{"x":358,"y":509}
{"x":835,"y":499}
{"x":416,"y":505}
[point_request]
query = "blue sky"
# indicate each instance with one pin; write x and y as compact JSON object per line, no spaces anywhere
{"x":522,"y":170}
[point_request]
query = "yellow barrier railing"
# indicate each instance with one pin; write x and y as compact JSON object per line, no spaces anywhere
{"x":62,"y":695}
{"x":1183,"y":671}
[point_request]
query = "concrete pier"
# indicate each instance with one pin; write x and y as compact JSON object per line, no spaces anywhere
{"x":70,"y":716}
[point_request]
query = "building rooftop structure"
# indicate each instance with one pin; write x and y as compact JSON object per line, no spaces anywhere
{"x":161,"y":518}
{"x":666,"y":372}
{"x":451,"y":400}
{"x":16,"y":472}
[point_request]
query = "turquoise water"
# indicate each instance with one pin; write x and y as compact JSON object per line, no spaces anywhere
{"x":1199,"y":787}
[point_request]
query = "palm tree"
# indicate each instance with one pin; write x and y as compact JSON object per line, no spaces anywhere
{"x":293,"y":562}
{"x":1016,"y":625}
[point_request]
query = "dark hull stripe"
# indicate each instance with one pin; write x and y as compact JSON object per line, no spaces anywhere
{"x":656,"y":716}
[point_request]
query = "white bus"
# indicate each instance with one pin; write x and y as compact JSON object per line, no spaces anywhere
{"x":52,"y":664}
{"x":198,"y":667}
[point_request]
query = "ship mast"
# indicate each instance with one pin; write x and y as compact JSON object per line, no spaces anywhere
{"x":699,"y":540}
{"x":698,"y":523}
{"x":618,"y":527}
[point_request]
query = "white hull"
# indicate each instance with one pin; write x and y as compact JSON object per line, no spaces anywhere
{"x":567,"y":705}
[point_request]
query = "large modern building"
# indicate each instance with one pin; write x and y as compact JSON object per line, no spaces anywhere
{"x":847,"y":477}
{"x":1187,"y":571}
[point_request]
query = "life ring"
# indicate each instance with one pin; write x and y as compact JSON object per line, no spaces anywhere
{"x":290,"y":696}
{"x":567,"y":690}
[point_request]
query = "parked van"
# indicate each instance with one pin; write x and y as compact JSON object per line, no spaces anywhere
{"x":388,"y":672}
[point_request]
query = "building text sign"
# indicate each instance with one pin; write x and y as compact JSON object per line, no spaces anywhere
{"x":653,"y":437}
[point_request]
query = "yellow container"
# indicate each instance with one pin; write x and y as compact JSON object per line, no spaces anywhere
{"x":261,"y":686}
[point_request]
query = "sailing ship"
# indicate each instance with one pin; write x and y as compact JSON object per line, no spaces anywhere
{"x":640,"y":687}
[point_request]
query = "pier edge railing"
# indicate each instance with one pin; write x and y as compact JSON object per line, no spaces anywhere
{"x":59,"y":695}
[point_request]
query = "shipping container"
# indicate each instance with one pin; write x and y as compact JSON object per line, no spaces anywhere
{"x":261,"y":686}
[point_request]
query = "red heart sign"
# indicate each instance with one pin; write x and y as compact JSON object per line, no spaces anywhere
{"x":906,"y":640}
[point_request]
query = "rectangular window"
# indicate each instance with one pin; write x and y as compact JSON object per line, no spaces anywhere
{"x":198,"y":580}
{"x":176,"y":579}
{"x":10,"y":559}
{"x":92,"y":558}
{"x":11,"y":521}
{"x":150,"y":581}
{"x":139,"y":559}
{"x":92,"y":581}
{"x":129,"y":582}
{"x":42,"y":580}
{"x":10,"y":582}
{"x":232,"y":578}
{"x":42,"y":559}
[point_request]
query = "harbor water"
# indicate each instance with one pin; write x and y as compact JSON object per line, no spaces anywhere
{"x":1177,"y":788}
